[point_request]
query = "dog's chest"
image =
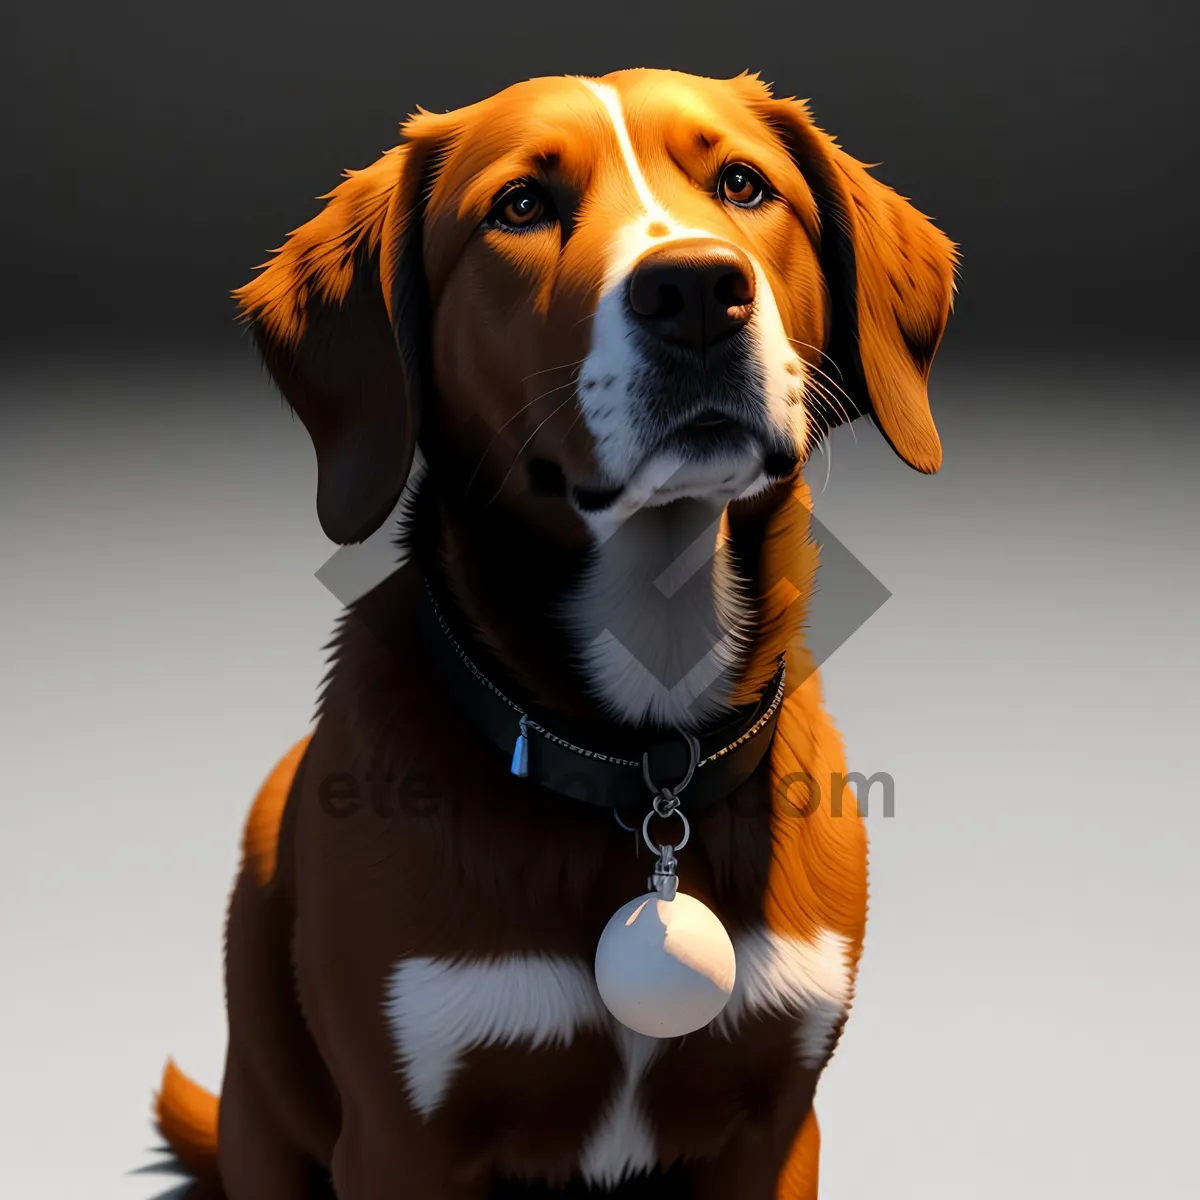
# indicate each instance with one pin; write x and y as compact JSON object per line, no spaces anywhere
{"x":523,"y":1046}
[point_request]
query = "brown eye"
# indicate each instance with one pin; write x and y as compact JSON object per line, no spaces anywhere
{"x":521,"y":208}
{"x":742,"y":185}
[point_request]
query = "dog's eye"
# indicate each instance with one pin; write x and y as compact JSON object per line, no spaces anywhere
{"x":742,"y":186}
{"x":521,"y":207}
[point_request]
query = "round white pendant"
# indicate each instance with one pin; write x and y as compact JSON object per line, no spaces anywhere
{"x":665,"y":967}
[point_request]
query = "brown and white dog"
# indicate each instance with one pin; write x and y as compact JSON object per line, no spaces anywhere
{"x":617,"y":314}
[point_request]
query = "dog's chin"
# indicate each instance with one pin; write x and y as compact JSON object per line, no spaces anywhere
{"x":711,"y":461}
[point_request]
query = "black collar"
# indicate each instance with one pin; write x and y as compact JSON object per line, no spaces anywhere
{"x":631,"y":765}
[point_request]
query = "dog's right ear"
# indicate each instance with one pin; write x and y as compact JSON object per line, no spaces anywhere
{"x":341,"y":315}
{"x":890,"y":274}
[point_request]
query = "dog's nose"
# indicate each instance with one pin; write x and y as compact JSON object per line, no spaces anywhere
{"x":692,"y":292}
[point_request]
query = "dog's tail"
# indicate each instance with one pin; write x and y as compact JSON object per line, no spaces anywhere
{"x":186,"y":1116}
{"x":185,"y":1113}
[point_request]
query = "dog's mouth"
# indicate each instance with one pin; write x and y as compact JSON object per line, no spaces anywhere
{"x":710,"y":433}
{"x":596,"y":500}
{"x":711,"y":453}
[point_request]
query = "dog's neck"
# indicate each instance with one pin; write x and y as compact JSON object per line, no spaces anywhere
{"x":668,"y":620}
{"x":661,"y":616}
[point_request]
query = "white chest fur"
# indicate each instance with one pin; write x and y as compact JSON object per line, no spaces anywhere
{"x":659,"y":615}
{"x":439,"y":1010}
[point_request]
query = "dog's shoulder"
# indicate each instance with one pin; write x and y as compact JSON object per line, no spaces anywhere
{"x":260,"y":836}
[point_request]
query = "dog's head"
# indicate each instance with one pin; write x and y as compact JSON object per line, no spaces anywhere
{"x":612,"y":292}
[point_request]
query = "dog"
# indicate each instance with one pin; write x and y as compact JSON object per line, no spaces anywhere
{"x":616,"y":316}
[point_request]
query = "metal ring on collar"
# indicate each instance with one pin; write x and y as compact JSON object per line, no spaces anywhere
{"x":687,"y":831}
{"x":693,"y":743}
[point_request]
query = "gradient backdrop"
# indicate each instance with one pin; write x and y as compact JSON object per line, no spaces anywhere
{"x":1025,"y":1023}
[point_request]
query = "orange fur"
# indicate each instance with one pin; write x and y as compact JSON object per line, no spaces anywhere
{"x":260,"y":838}
{"x":366,"y":210}
{"x":786,"y":578}
{"x":818,"y":876}
{"x":800,"y":1174}
{"x":186,"y":1116}
{"x":905,"y":270}
{"x":905,"y":291}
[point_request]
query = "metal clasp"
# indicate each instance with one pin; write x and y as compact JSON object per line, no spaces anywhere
{"x":664,"y":880}
{"x":666,"y":803}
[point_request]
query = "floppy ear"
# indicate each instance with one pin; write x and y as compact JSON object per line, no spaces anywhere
{"x":340,"y":315}
{"x":890,"y":274}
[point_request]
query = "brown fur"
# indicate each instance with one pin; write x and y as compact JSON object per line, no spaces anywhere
{"x":390,"y":312}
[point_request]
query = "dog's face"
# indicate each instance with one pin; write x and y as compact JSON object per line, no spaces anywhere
{"x":606,"y":294}
{"x":620,"y":285}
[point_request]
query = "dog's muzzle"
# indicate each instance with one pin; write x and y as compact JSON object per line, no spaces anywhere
{"x":692,"y":295}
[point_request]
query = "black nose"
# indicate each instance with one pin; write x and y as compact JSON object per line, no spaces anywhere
{"x":693,"y":292}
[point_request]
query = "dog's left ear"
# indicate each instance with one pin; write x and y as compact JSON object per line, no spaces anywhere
{"x":890,"y":274}
{"x":341,"y":317}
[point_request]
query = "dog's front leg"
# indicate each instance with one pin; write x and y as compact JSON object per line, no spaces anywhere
{"x":757,"y":1165}
{"x":376,"y":1160}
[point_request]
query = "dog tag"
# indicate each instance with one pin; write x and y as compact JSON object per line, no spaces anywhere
{"x":665,"y":967}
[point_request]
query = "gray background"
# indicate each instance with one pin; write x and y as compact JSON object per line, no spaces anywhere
{"x":160,"y":148}
{"x":1025,"y":1015}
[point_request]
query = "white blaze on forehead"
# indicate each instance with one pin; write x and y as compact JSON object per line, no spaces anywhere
{"x":634,"y":239}
{"x":612,"y":106}
{"x":615,"y":409}
{"x":613,"y":359}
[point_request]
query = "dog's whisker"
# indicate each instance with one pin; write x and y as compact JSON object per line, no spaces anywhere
{"x":835,"y":403}
{"x":574,"y":421}
{"x":561,"y":367}
{"x":822,"y":353}
{"x":827,"y":451}
{"x":521,"y":411}
{"x":829,"y":380}
{"x":525,"y":445}
{"x":585,"y":317}
{"x":826,"y":376}
{"x":824,"y":393}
